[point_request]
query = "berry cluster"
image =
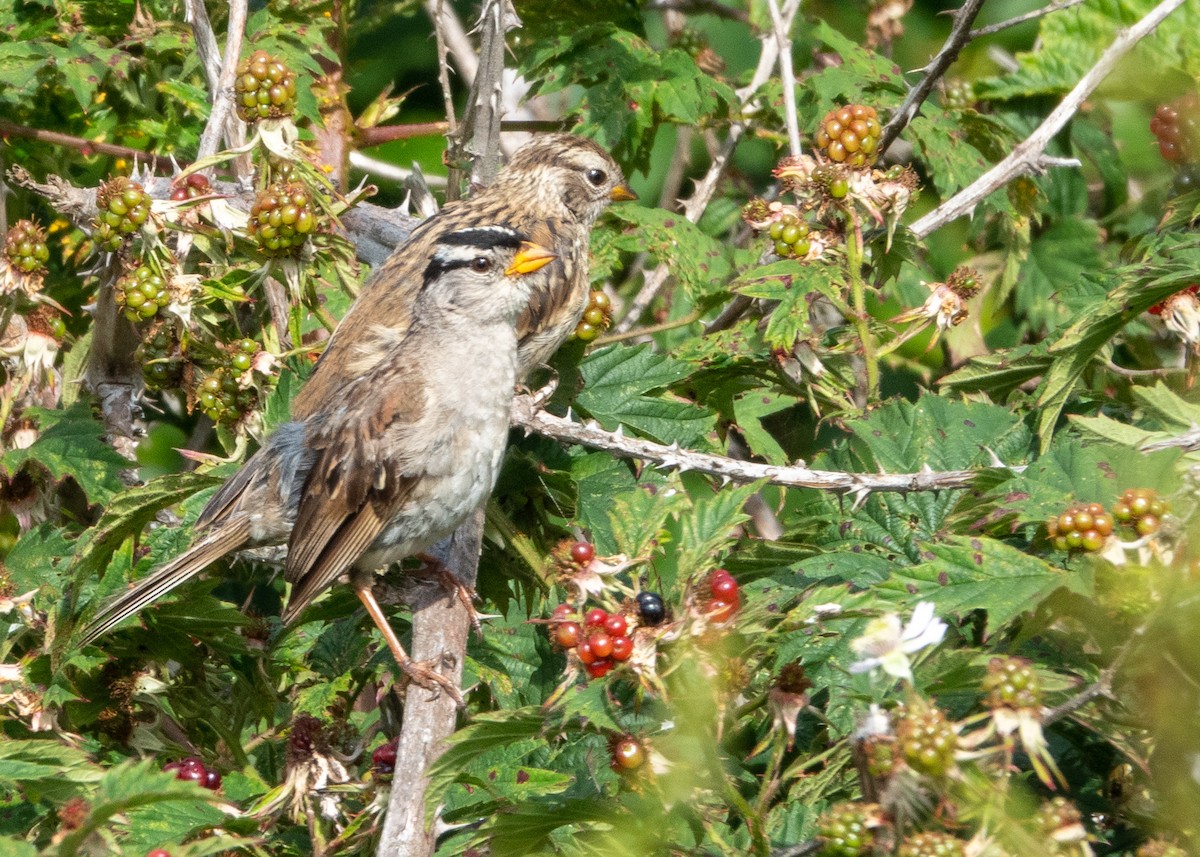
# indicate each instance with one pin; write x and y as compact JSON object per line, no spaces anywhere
{"x":1012,"y":683}
{"x":195,"y":770}
{"x":931,"y":845}
{"x":384,"y":757}
{"x":849,"y":135}
{"x":596,"y":317}
{"x":1059,"y":821}
{"x":790,"y":235}
{"x":1082,"y":527}
{"x":627,"y":754}
{"x":1177,"y":128}
{"x":957,"y":94}
{"x":600,"y":641}
{"x":142,"y":293}
{"x":25,"y":247}
{"x":832,"y":179}
{"x":241,"y":355}
{"x":1141,"y":509}
{"x":159,"y":357}
{"x":724,"y":599}
{"x":927,"y":741}
{"x":846,"y":829}
{"x":282,"y":218}
{"x":222,"y":399}
{"x":124,"y":208}
{"x":193,"y":186}
{"x":265,"y":88}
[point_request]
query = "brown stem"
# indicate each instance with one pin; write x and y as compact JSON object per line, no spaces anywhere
{"x":88,"y":147}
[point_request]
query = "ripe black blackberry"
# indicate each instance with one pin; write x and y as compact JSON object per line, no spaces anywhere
{"x":25,"y":247}
{"x":282,"y":218}
{"x":123,"y":207}
{"x":850,"y":135}
{"x":265,"y":88}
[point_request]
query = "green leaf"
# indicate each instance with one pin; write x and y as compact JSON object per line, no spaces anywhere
{"x":484,"y":733}
{"x":1000,"y":372}
{"x":615,"y":379}
{"x":750,"y":409}
{"x":697,"y":260}
{"x":964,"y":574}
{"x":71,"y":445}
{"x":795,"y":285}
{"x":707,"y":531}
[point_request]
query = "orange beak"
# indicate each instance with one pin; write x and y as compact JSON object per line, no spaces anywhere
{"x":531,"y":257}
{"x":622,"y":193}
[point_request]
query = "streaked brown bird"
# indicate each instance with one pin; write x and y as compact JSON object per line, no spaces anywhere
{"x":393,"y":458}
{"x":552,"y":190}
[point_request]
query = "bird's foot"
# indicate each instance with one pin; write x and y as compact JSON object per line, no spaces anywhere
{"x":425,"y":674}
{"x":465,"y":594}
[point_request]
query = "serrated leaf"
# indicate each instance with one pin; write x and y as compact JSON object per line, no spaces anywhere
{"x":615,"y":379}
{"x":39,"y":552}
{"x":697,"y":260}
{"x":24,"y":761}
{"x":598,"y":477}
{"x":750,"y":409}
{"x":71,"y":445}
{"x":954,"y":162}
{"x":1115,"y":431}
{"x":1171,"y":409}
{"x":707,"y":530}
{"x":1001,"y":372}
{"x":961,"y":575}
{"x":587,"y":704}
{"x":637,"y":517}
{"x":484,"y":733}
{"x":1059,"y":257}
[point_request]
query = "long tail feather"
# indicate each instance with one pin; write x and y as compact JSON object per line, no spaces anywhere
{"x":215,"y":544}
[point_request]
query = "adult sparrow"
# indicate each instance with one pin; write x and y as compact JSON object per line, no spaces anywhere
{"x":552,"y":190}
{"x":396,"y":456}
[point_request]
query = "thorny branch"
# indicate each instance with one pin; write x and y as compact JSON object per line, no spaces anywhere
{"x":960,"y":34}
{"x":1021,"y":19}
{"x":695,"y":206}
{"x":1027,"y":156}
{"x":220,"y":119}
{"x":565,"y":430}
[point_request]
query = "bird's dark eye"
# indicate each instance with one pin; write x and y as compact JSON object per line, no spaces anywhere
{"x":481,"y":264}
{"x":597,"y":177}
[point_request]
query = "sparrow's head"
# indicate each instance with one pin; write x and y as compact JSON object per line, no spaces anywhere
{"x":585,"y":177}
{"x":484,"y":272}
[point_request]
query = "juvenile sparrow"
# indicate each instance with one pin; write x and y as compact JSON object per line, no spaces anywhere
{"x":552,"y":190}
{"x":396,"y":456}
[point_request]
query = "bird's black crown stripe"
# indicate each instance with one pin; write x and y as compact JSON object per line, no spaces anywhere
{"x":481,"y":238}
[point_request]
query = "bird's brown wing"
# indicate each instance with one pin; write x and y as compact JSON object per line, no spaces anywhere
{"x":358,"y":480}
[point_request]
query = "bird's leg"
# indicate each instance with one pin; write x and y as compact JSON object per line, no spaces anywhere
{"x":466,"y":595}
{"x":420,"y":672}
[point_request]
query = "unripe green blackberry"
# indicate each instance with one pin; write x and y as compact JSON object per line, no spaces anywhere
{"x":1080,"y":527}
{"x":850,"y":135}
{"x":142,"y":292}
{"x":159,"y":356}
{"x":957,"y":94}
{"x":1141,"y":509}
{"x":124,"y":208}
{"x":1160,"y":848}
{"x":789,"y":235}
{"x":282,"y":218}
{"x":265,"y":88}
{"x":1011,"y":683}
{"x":1177,"y":128}
{"x":931,"y":845}
{"x":1060,"y":824}
{"x":831,"y":179}
{"x":25,"y":247}
{"x":927,"y":741}
{"x":847,"y":829}
{"x":596,"y":318}
{"x":241,"y":356}
{"x":221,"y":399}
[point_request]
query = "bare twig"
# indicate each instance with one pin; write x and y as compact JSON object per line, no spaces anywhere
{"x":444,"y":21}
{"x":792,"y":476}
{"x":1027,"y":155}
{"x":783,"y":41}
{"x":1021,"y":19}
{"x":88,"y":147}
{"x":960,"y":34}
{"x":206,"y":41}
{"x":706,"y":188}
{"x":222,"y":93}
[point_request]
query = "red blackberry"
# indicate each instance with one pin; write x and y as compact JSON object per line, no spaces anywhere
{"x":265,"y":88}
{"x":1081,"y":527}
{"x":192,"y":186}
{"x":1141,"y":509}
{"x":628,"y":754}
{"x":1177,"y":127}
{"x":25,"y":247}
{"x":850,"y":135}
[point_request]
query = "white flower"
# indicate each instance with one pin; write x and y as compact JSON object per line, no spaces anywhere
{"x":887,"y":644}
